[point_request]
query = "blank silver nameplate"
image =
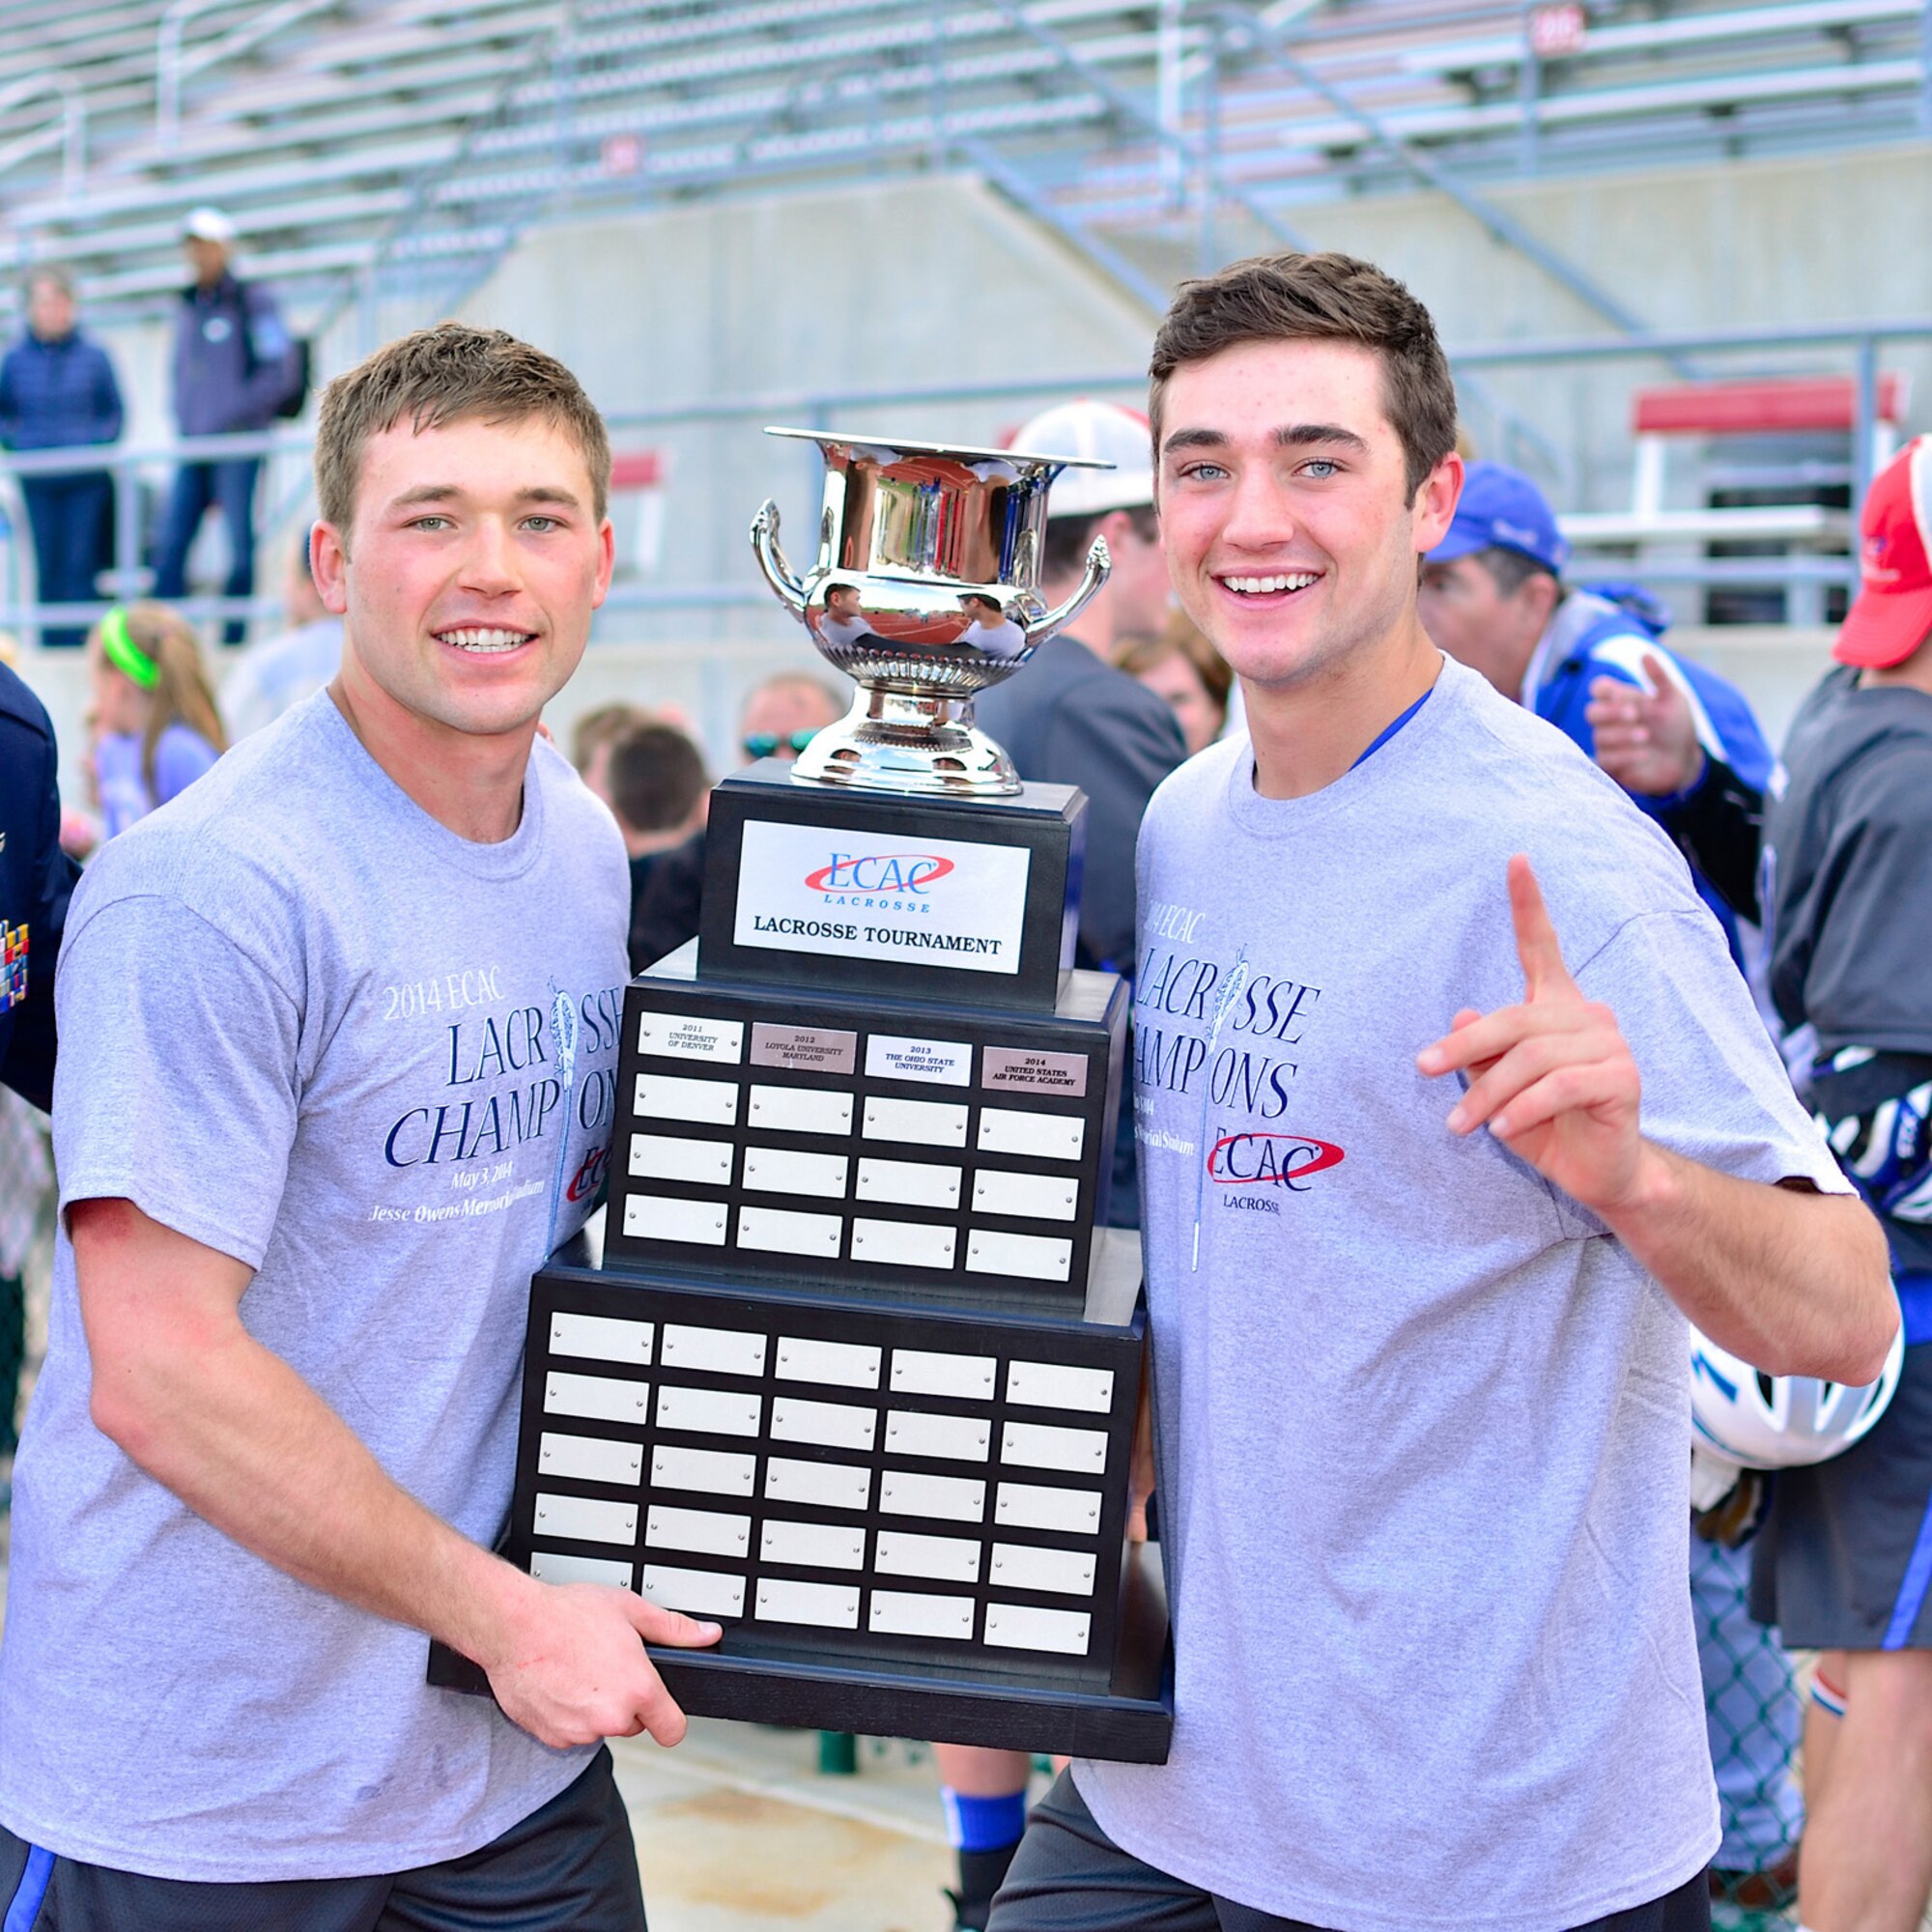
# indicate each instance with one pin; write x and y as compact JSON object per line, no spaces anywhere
{"x":1022,"y":1627}
{"x":841,"y":1364}
{"x":923,"y":1122}
{"x":1038,"y":1197}
{"x":783,"y":1231}
{"x":903,"y":1613}
{"x":670,"y":1097}
{"x":1025,"y":1565}
{"x":1043,"y":1136}
{"x":909,"y":1183}
{"x":700,"y":1593}
{"x":666,"y":1157}
{"x":591,"y":1458}
{"x":929,"y":1372}
{"x":945,"y":1559}
{"x":685,"y":1036}
{"x":831,"y":1425}
{"x":708,"y":1411}
{"x":709,"y":1471}
{"x":830,"y":1605}
{"x":706,"y":1532}
{"x":813,"y":1545}
{"x":959,"y":1438}
{"x":838,"y":1486}
{"x":555,"y":1566}
{"x":1060,"y":1385}
{"x":602,"y":1338}
{"x":713,"y":1351}
{"x":1029,"y":1506}
{"x":602,"y":1397}
{"x":945,"y":1498}
{"x":903,"y":1243}
{"x":670,"y":1217}
{"x":585,"y":1518}
{"x":801,"y":1110}
{"x":1037,"y":1257}
{"x":943,"y":1063}
{"x":1037,"y":1445}
{"x":792,"y":1171}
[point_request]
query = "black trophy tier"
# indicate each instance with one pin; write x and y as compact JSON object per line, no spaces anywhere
{"x":855,"y":1370}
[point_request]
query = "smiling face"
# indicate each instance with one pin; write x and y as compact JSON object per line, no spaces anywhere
{"x":1290,"y":534}
{"x":468,"y":575}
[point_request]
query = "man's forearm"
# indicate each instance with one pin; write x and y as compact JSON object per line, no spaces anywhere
{"x":1793,"y":1281}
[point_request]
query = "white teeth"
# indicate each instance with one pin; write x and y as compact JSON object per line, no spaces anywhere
{"x":480,"y":639}
{"x":1251,"y":587}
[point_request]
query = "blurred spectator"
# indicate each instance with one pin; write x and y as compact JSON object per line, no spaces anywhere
{"x":57,"y":391}
{"x":235,"y":368}
{"x":659,"y":792}
{"x":275,"y":675}
{"x":592,"y":737}
{"x":782,"y":714}
{"x":1187,"y":673}
{"x":156,"y":725}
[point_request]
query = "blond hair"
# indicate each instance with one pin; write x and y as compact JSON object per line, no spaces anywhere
{"x":182,"y":693}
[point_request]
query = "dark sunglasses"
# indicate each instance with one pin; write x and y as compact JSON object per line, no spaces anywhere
{"x":762,"y":744}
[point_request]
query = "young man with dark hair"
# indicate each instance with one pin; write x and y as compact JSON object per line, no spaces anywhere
{"x":346,"y":1016}
{"x":659,"y":792}
{"x":1422,"y":1411}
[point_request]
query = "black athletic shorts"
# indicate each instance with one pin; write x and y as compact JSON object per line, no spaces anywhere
{"x":1068,"y":1876}
{"x":1844,"y":1559}
{"x":569,"y":1864}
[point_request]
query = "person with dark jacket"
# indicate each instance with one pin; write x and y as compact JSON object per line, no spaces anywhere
{"x":57,"y":391}
{"x":235,"y":366}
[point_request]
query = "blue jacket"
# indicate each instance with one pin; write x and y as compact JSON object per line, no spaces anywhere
{"x":234,"y":362}
{"x":55,"y":394}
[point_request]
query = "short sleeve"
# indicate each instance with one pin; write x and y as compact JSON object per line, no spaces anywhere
{"x":177,"y":1087}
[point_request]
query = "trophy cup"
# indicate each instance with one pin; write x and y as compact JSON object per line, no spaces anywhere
{"x":854,"y":1363}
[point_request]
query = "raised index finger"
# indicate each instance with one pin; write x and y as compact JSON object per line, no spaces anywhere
{"x":1544,"y":972}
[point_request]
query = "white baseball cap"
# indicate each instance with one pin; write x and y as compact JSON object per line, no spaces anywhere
{"x":207,"y":224}
{"x":1105,"y":432}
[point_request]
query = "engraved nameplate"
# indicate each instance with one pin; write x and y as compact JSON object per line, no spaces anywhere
{"x":1059,"y":1385}
{"x":801,"y":1110}
{"x":909,"y":1183}
{"x":927,"y":1372}
{"x":1043,"y":1136}
{"x":602,"y":1338}
{"x":813,"y":1049}
{"x":714,"y":1351}
{"x":1029,"y":1506}
{"x":959,"y":1438}
{"x":602,"y":1397}
{"x":585,"y":1518}
{"x":944,"y":1498}
{"x":830,"y":1605}
{"x":945,"y":1559}
{"x":684,"y":1037}
{"x":1037,"y":1257}
{"x":666,"y":1157}
{"x":670,"y":1217}
{"x":903,"y":1243}
{"x":1038,"y":1197}
{"x":670,"y":1097}
{"x":706,"y":1532}
{"x":943,"y":1063}
{"x":591,"y":1458}
{"x":783,"y":1231}
{"x":921,"y":1123}
{"x":700,"y":1593}
{"x":710,"y":1471}
{"x":792,"y":1171}
{"x":831,"y":1425}
{"x":841,"y":1364}
{"x":1038,"y":1446}
{"x":708,"y":1411}
{"x":903,"y":1613}
{"x":1023,"y":1627}
{"x":838,"y":1486}
{"x":1025,"y":1565}
{"x":1041,"y":1073}
{"x":556,"y":1566}
{"x":813,"y":1545}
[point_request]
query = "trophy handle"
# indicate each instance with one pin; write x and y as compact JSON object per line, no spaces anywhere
{"x":771,"y":559}
{"x":1099,"y":566}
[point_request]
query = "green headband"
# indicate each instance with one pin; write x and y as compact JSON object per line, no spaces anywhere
{"x":125,"y":654}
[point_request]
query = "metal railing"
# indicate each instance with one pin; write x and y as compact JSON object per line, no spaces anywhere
{"x":174,"y":62}
{"x":69,"y":126}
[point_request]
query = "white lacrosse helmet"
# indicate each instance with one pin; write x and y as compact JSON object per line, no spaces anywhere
{"x":1743,"y":1416}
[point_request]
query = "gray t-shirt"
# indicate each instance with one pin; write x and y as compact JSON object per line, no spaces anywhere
{"x":1424,"y":1425}
{"x":310,"y":1027}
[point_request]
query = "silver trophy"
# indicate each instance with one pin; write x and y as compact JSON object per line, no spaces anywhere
{"x":924,"y":591}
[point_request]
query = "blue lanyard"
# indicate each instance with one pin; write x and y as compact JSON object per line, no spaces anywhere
{"x":1388,"y":731}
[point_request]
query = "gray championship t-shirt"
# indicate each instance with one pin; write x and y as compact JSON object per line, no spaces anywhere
{"x":310,"y":1027}
{"x":1423,"y":1425}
